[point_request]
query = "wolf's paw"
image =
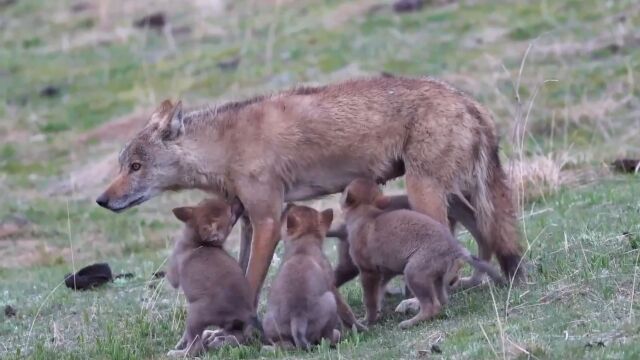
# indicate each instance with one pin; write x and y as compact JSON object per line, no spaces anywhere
{"x":409,"y":304}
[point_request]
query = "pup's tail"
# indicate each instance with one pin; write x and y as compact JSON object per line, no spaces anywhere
{"x":299,"y":332}
{"x":485,"y":267}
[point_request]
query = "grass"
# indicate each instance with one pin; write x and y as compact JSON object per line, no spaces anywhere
{"x":580,"y":301}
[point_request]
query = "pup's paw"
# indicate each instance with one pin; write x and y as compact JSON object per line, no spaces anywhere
{"x":208,"y":336}
{"x":221,"y":341}
{"x":335,"y":337}
{"x":358,"y":326}
{"x":177,"y":353}
{"x":467,"y":283}
{"x":405,"y":324}
{"x":410,"y":304}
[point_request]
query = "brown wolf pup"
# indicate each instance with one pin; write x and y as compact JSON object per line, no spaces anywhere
{"x":458,"y":212}
{"x":386,"y":244}
{"x":302,"y":308}
{"x":213,"y":283}
{"x":309,"y":142}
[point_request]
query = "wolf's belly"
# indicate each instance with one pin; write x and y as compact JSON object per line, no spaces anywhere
{"x":330,"y":177}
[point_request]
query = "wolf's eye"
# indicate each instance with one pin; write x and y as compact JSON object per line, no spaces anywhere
{"x":135,"y":166}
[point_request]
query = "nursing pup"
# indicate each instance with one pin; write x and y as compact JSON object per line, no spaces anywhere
{"x":385,"y":244}
{"x":213,"y":283}
{"x":302,"y":308}
{"x":457,"y":211}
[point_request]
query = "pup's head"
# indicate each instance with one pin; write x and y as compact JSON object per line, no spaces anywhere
{"x":300,"y":221}
{"x":150,"y":163}
{"x":362,"y":192}
{"x":211,"y":220}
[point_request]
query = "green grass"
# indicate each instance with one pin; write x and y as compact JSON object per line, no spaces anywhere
{"x":578,"y":303}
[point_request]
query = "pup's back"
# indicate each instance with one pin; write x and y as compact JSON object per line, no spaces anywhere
{"x":400,"y":234}
{"x":210,"y":275}
{"x":302,"y":308}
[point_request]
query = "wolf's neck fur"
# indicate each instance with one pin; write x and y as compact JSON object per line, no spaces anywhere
{"x":227,"y":111}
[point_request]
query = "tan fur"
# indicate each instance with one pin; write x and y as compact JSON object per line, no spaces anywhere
{"x":458,"y":212}
{"x":302,"y":308}
{"x":212,"y":281}
{"x":309,"y":142}
{"x":385,"y":244}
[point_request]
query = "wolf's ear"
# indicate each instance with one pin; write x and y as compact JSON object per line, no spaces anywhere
{"x":382,"y":202}
{"x":326,"y":217}
{"x":184,"y":213}
{"x":173,"y":125}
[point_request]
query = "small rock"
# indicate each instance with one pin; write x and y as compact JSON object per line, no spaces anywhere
{"x":50,"y":91}
{"x":626,"y":165}
{"x":423,"y":353}
{"x":9,"y":311}
{"x":159,"y":274}
{"x":4,"y":3}
{"x":124,"y":276}
{"x":436,"y":349}
{"x":156,"y":20}
{"x":80,"y":7}
{"x":402,"y":6}
{"x":230,"y":64}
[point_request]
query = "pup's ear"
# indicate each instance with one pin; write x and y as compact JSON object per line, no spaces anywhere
{"x":173,"y":124}
{"x":348,"y":199}
{"x":237,"y":209}
{"x":184,"y":213}
{"x":326,"y":217}
{"x":292,"y":223}
{"x":382,"y":202}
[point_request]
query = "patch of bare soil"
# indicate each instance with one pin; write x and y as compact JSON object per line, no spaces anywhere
{"x":117,"y":130}
{"x":13,"y":225}
{"x":348,"y":11}
{"x":86,"y":179}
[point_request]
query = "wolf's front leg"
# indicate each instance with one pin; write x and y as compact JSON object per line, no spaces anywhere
{"x":264,"y":204}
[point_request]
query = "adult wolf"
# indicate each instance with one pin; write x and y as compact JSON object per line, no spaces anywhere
{"x":308,"y":142}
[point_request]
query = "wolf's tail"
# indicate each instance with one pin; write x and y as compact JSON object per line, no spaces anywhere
{"x":494,"y":204}
{"x":299,"y":332}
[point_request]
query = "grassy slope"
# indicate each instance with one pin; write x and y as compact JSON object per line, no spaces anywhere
{"x":582,"y":289}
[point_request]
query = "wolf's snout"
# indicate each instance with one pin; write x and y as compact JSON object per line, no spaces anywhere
{"x":103,"y":201}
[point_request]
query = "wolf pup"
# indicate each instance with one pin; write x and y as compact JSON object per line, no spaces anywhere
{"x":308,"y":142}
{"x":213,"y":283}
{"x":302,"y":308}
{"x":385,"y":244}
{"x":457,"y":212}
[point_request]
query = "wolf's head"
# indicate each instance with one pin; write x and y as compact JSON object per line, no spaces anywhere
{"x":150,"y":163}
